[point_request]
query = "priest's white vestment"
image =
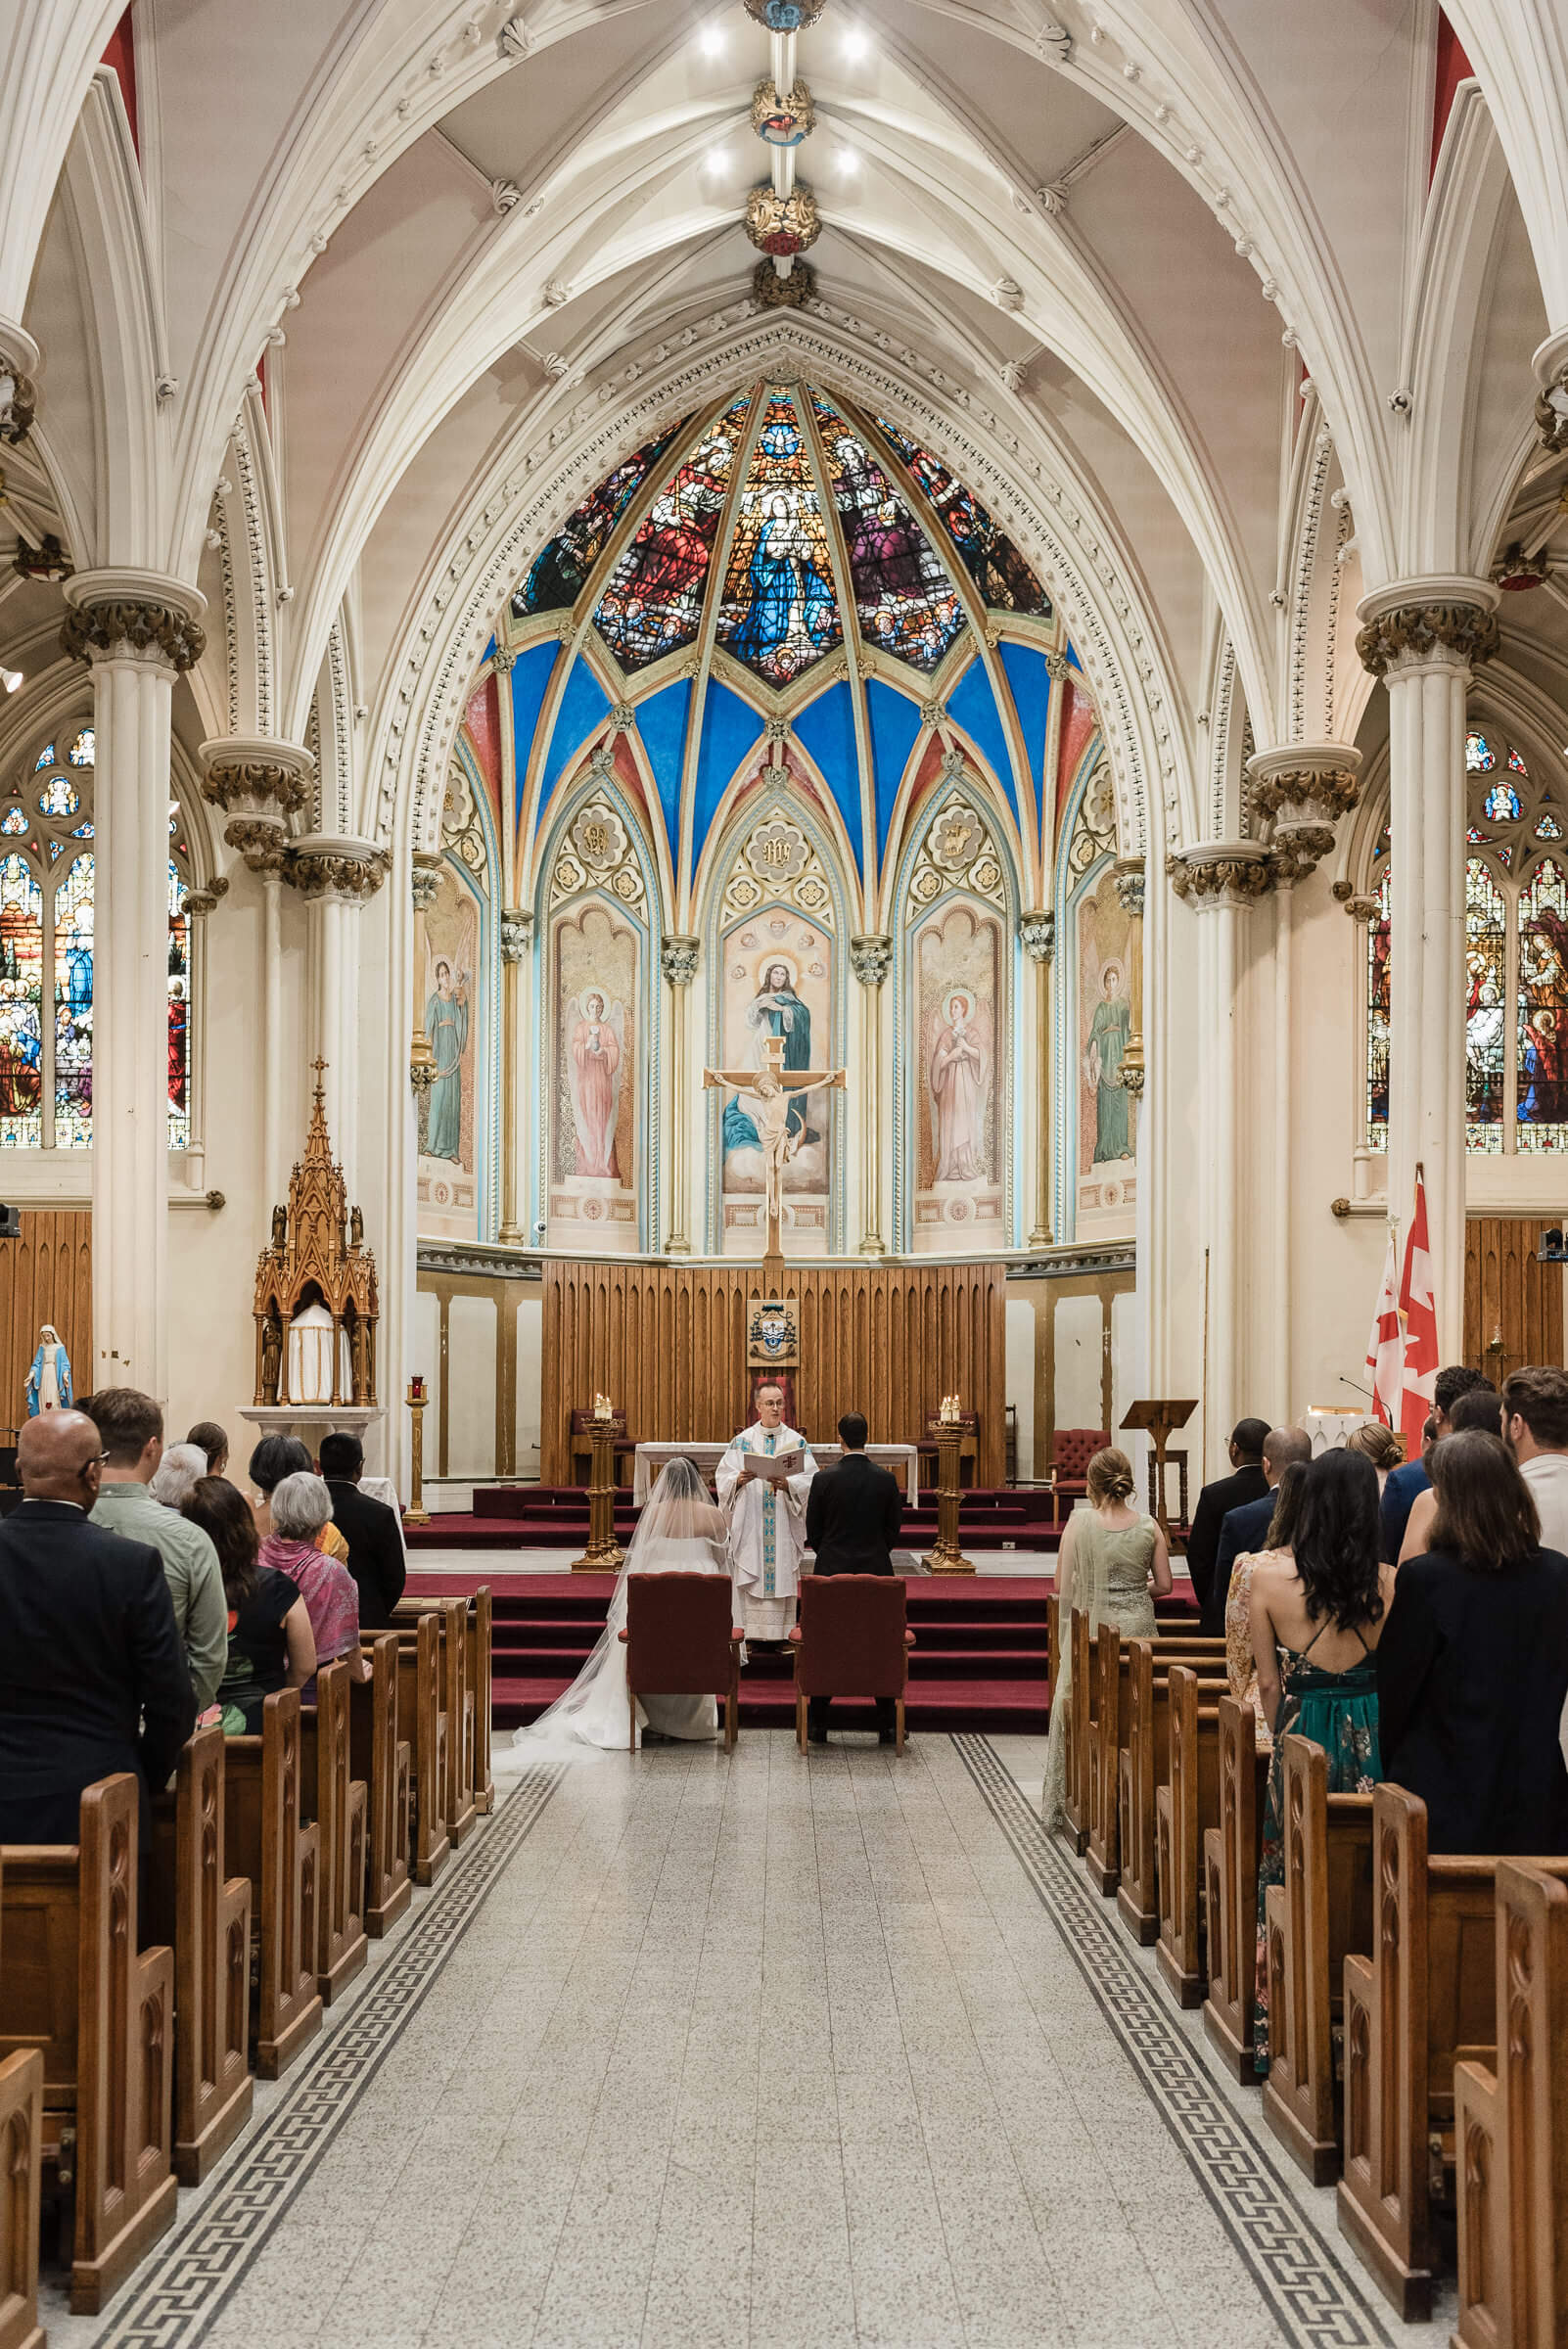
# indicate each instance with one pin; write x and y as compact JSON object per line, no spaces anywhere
{"x":767,"y":1529}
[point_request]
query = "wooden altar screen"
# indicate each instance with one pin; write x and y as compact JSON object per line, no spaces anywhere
{"x":47,"y":1275}
{"x":667,"y":1343}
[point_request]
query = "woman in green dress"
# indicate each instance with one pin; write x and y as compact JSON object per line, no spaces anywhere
{"x":1109,"y":1031}
{"x":1114,"y":1562}
{"x":1317,"y":1611}
{"x":446,"y":1027}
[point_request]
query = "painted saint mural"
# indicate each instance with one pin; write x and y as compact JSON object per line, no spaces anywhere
{"x":957,"y":974}
{"x":449,"y":1161}
{"x":777,"y":982}
{"x":595,"y":962}
{"x":1107,"y":987}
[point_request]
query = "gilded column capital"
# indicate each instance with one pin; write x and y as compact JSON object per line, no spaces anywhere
{"x":200,"y":901}
{"x":678,"y":957}
{"x":1445,"y":622}
{"x":1550,"y":365}
{"x":1230,"y":873}
{"x":423,"y":880}
{"x":1127,"y":877}
{"x":1036,"y":935}
{"x":516,"y":935}
{"x":1058,"y":668}
{"x":18,"y":393}
{"x":258,"y":782}
{"x":124,"y":614}
{"x":336,"y":868}
{"x":502,"y":658}
{"x":871,"y":957}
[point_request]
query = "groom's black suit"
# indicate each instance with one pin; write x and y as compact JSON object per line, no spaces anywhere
{"x":852,"y":1516}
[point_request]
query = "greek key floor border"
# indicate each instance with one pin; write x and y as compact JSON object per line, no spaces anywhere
{"x":182,"y":2288}
{"x":1309,"y":2286}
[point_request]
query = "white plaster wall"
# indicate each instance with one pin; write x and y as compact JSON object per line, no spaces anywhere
{"x":530,"y":1379}
{"x":425,"y":1360}
{"x":1075,"y":1370}
{"x":471,"y":1387}
{"x":1020,"y":1363}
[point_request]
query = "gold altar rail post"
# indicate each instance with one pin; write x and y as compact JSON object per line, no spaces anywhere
{"x":948,"y":1557}
{"x":603,"y":1554}
{"x":416,"y":1512}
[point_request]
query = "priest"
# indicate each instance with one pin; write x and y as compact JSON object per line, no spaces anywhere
{"x":766,"y":1517}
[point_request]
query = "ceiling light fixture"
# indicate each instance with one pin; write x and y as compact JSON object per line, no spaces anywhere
{"x":710,"y":40}
{"x":857,"y":44}
{"x":848,"y":163}
{"x":11,"y":679}
{"x":717,"y":159}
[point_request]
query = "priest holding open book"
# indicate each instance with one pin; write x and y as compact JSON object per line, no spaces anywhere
{"x":762,"y":1482}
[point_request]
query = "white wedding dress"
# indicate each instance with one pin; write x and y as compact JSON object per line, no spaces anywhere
{"x":679,"y":1531}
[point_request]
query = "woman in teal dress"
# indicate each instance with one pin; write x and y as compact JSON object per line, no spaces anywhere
{"x":1113,"y":1561}
{"x":446,"y":1027}
{"x":1109,"y":1033}
{"x":1318,"y":1612}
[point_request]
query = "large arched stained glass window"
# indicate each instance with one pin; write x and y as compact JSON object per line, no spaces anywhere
{"x":1542,"y":1009}
{"x":46,"y":955}
{"x":1485,"y":1001}
{"x":1379,"y":932}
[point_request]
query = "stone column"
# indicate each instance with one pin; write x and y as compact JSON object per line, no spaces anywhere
{"x":260,"y":785}
{"x":138,"y":630}
{"x":1037,"y":934}
{"x":516,"y":935}
{"x":870,"y":957}
{"x":335,"y":874}
{"x":677,"y":955}
{"x":1221,"y":881}
{"x":1423,"y":638}
{"x":199,"y":904}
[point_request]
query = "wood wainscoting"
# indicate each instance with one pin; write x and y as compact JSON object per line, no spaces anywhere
{"x":668,"y":1344}
{"x":47,"y":1275}
{"x":1513,"y":1304}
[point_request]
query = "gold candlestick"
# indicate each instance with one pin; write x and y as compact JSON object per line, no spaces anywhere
{"x":416,"y":1512}
{"x":948,"y":1557}
{"x":604,"y":1553}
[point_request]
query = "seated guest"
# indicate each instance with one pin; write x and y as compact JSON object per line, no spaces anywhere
{"x":1241,"y":1669}
{"x":1535,"y":1404}
{"x":1382,"y":1448}
{"x":93,"y":1677}
{"x":1405,"y":1482}
{"x":274,"y":1458}
{"x":211,"y":1440}
{"x":301,"y":1506}
{"x":1316,"y":1613}
{"x":176,"y":1472}
{"x":1472,"y":1669}
{"x":131,"y":1427}
{"x":1246,"y":1526}
{"x":1216,"y":1501}
{"x":1481,"y":1408}
{"x":371,"y":1530}
{"x":271,"y":1644}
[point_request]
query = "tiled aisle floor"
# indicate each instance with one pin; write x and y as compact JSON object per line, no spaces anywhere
{"x":768,"y":2052}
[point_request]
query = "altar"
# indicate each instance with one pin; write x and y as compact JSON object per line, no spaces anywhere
{"x":650,"y":1458}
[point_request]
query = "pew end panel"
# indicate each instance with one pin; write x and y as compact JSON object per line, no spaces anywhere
{"x":268,"y":1841}
{"x":335,"y":1804}
{"x":207,"y":1914}
{"x":1231,"y":1852}
{"x":21,"y":2084}
{"x":1187,"y":1807}
{"x":381,"y":1759}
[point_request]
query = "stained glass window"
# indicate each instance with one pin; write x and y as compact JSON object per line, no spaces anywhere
{"x":179,"y":1013}
{"x":1543,"y":1088}
{"x":73,"y":1007}
{"x":653,"y":603}
{"x":13,"y":820}
{"x":1486,"y":940}
{"x":991,"y":560}
{"x":904,"y":599}
{"x":1516,"y":760}
{"x":559,"y":572}
{"x":21,"y":1002}
{"x":59,"y":797}
{"x":1546,"y":826}
{"x":1378,"y":977}
{"x":778,"y":613}
{"x":45,"y":758}
{"x":1502,"y":805}
{"x":1479,"y":755}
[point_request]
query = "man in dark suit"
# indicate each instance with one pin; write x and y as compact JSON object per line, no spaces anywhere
{"x":1216,"y":1501}
{"x":376,"y":1558}
{"x":1246,"y":1529}
{"x":852,"y":1515}
{"x":93,"y":1677}
{"x":1405,"y":1484}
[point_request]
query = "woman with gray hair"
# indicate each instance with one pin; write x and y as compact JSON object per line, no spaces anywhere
{"x":300,"y":1506}
{"x":177,"y":1473}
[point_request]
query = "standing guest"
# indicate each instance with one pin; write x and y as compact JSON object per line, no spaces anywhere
{"x":1316,"y":1611}
{"x":1247,"y":1528}
{"x":176,"y":1472}
{"x":1481,"y":1408}
{"x":1382,"y":1448}
{"x":274,"y":1458}
{"x":1242,"y":1666}
{"x":1111,"y":1556}
{"x":1404,"y":1482}
{"x":1472,"y":1668}
{"x":131,"y":1427}
{"x":1247,"y":1482}
{"x":93,"y":1677}
{"x":1535,"y":1406}
{"x":300,"y":1506}
{"x":375,"y":1557}
{"x":852,"y":1515}
{"x":271,"y":1644}
{"x":211,"y":1440}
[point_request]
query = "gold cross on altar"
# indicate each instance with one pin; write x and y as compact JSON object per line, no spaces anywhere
{"x":768,"y":1090}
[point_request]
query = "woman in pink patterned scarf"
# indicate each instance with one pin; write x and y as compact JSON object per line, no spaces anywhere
{"x":300,"y":1506}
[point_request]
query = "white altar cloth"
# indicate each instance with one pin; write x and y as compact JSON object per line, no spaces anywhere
{"x":650,"y":1458}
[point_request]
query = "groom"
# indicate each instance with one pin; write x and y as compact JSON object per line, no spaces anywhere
{"x":767,"y":1520}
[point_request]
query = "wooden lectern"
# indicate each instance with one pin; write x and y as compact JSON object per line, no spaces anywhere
{"x":1159,"y":1421}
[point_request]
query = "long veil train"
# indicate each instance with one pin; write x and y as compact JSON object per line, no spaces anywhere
{"x":680,"y":1530}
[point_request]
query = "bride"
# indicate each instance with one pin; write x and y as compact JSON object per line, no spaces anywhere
{"x":679,"y":1531}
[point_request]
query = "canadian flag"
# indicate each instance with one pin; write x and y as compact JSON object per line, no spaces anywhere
{"x":1385,"y":1347}
{"x":1418,"y":1306}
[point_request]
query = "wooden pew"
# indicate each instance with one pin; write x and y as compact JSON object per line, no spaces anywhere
{"x":379,"y":1756}
{"x":266,"y":1840}
{"x":22,"y":2090}
{"x":469,"y":1767}
{"x":206,"y":1917}
{"x":1185,"y":1808}
{"x":1079,"y":1714}
{"x":337,"y":1802}
{"x":1111,"y":1721}
{"x":1511,"y":2131}
{"x":1424,"y":2000}
{"x":1231,"y":1849}
{"x":422,"y":1720}
{"x":1143,"y":1766}
{"x":101,"y":2017}
{"x":1313,"y":1920}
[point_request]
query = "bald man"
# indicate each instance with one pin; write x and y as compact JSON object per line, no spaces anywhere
{"x":1244,"y":1530}
{"x":93,"y":1677}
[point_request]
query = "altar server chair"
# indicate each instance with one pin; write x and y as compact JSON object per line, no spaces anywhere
{"x":1072,"y":1450}
{"x":680,"y":1641}
{"x":852,"y":1640}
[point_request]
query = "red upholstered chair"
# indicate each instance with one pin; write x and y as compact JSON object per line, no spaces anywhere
{"x":852,"y":1641}
{"x":1072,"y":1450}
{"x":679,"y":1641}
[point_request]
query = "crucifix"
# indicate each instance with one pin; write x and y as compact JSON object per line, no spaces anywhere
{"x":767,"y":1091}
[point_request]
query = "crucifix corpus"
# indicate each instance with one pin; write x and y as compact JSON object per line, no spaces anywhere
{"x":767,"y":1091}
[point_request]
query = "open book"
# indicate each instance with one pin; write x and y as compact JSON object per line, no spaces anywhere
{"x":779,"y":1469}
